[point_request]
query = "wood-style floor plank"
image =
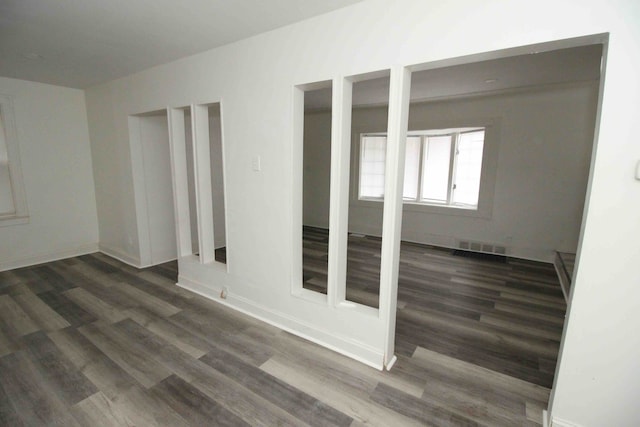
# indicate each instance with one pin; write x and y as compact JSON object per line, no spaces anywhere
{"x":145,"y":409}
{"x":193,"y":405}
{"x":70,"y":311}
{"x":361,"y":408}
{"x":43,"y":315}
{"x":94,"y":305}
{"x":294,"y":401}
{"x":253,"y":409}
{"x":99,"y":410}
{"x":15,"y":320}
{"x":95,"y":365}
{"x":130,"y":358}
{"x":507,"y":316}
{"x":70,"y":384}
{"x":91,"y":341}
{"x":29,"y":395}
{"x":422,"y":410}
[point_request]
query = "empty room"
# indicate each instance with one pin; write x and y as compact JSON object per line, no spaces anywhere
{"x":319,"y":213}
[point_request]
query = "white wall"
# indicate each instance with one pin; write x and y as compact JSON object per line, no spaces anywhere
{"x":598,"y":377}
{"x":53,"y":139}
{"x":154,"y":137}
{"x":113,"y":177}
{"x":544,"y":142}
{"x":317,"y":169}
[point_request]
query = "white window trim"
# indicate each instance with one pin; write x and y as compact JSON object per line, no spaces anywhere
{"x":21,"y":215}
{"x":487,"y":176}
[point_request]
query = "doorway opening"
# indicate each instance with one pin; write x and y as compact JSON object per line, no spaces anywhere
{"x":477,"y":285}
{"x":156,"y":220}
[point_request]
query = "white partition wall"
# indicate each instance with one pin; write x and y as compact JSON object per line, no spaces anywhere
{"x":195,"y":152}
{"x":150,"y":155}
{"x":256,"y":78}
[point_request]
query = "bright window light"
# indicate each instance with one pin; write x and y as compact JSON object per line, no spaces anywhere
{"x":372,"y":158}
{"x":442,"y":167}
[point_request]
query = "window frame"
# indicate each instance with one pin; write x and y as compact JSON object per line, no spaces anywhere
{"x":452,"y":169}
{"x":20,"y":214}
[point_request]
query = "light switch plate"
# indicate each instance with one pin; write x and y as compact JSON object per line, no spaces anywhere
{"x":638,"y":170}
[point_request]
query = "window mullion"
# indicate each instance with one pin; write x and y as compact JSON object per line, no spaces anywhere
{"x":360,"y":160}
{"x":452,"y":162}
{"x":423,"y":142}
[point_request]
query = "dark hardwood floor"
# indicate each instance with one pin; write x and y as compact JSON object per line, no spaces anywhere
{"x":500,"y":313}
{"x":91,"y":341}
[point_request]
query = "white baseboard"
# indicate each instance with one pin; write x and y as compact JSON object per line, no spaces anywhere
{"x":565,"y":283}
{"x":62,"y":253}
{"x":342,"y":345}
{"x":120,"y":255}
{"x":162,"y":260}
{"x":559,"y":422}
{"x":392,"y":362}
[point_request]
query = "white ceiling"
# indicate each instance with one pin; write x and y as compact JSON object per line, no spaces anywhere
{"x":531,"y":70}
{"x":80,"y":43}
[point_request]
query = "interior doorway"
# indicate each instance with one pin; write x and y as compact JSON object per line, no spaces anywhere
{"x":496,"y":171}
{"x":149,"y":136}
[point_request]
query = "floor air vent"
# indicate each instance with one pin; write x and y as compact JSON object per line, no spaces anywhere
{"x":480,"y":255}
{"x":480,"y":250}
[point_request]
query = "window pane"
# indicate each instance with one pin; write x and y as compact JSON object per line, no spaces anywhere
{"x":468,"y":167}
{"x":411,"y":168}
{"x":435,"y":173}
{"x":6,"y":192}
{"x":373,"y":153}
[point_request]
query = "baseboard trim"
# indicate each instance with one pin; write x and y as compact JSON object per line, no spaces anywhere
{"x":344,"y":346}
{"x":565,"y":281}
{"x":392,"y":362}
{"x":48,"y":256}
{"x":120,"y":255}
{"x":559,"y":422}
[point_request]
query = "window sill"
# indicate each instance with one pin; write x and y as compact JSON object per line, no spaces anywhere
{"x":478,"y":212}
{"x":13,"y":220}
{"x":309,"y":295}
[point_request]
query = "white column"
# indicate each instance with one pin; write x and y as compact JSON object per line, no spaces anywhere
{"x":202,"y":167}
{"x":139,"y":190}
{"x":180,"y":182}
{"x":339,"y":190}
{"x":392,"y":220}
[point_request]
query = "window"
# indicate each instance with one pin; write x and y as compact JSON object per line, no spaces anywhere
{"x":442,"y":167}
{"x":12,"y":201}
{"x":7,"y":205}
